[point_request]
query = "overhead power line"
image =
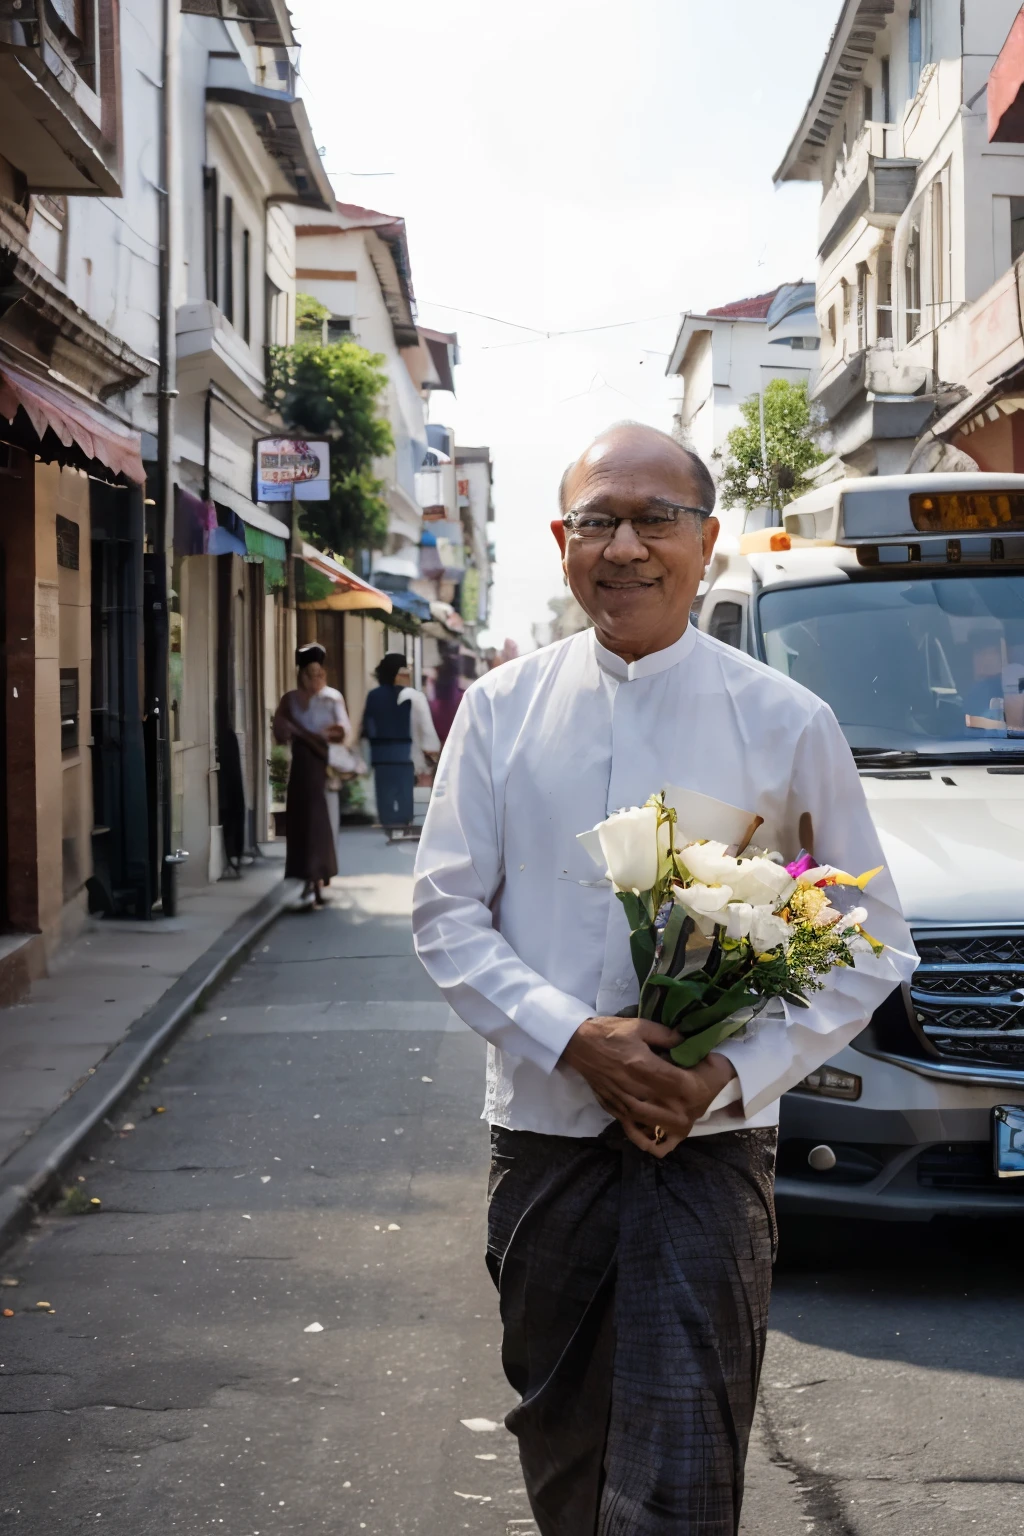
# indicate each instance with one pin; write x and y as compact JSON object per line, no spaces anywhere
{"x":541,"y":335}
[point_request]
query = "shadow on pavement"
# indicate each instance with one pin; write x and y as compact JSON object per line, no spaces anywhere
{"x":943,"y":1295}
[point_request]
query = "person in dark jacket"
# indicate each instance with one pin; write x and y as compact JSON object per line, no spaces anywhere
{"x":387,"y":726}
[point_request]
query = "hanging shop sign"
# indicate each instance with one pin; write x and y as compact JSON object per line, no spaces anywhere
{"x":289,"y":468}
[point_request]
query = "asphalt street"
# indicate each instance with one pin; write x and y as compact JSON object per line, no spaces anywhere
{"x":279,"y":1320}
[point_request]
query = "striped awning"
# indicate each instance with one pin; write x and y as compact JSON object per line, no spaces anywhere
{"x":73,"y":420}
{"x":325,"y":585}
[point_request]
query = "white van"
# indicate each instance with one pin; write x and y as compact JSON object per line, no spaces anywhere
{"x":900,"y":600}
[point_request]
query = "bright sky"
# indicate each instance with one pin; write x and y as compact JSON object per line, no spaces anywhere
{"x":565,"y":164}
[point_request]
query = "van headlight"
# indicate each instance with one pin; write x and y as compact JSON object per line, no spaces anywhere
{"x":831,"y":1083}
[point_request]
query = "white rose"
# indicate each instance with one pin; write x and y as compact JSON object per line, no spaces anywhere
{"x":738,"y":916}
{"x":709,"y":863}
{"x":704,"y":903}
{"x":762,"y":883}
{"x":630,"y":847}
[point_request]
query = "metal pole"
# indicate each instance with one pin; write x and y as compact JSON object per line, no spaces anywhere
{"x":166,"y":396}
{"x":291,"y":590}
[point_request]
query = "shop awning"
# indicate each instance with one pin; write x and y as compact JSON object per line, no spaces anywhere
{"x":97,"y":433}
{"x":322,"y":584}
{"x":411,"y":603}
{"x":1000,"y":396}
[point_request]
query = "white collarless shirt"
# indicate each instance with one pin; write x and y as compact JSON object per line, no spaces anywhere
{"x":510,"y":916}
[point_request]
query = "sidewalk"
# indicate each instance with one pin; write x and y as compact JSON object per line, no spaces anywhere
{"x":65,"y":1049}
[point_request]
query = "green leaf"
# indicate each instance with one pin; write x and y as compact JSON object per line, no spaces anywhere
{"x":670,"y":939}
{"x":696,"y":1047}
{"x":678,"y":994}
{"x":641,"y":948}
{"x":729,"y":1002}
{"x":641,"y":935}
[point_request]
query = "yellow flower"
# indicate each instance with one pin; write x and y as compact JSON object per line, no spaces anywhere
{"x":806,"y":902}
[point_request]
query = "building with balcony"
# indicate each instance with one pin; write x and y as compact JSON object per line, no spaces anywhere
{"x":78,"y":330}
{"x":987,"y":423}
{"x":247,"y":159}
{"x":356,"y":262}
{"x":474,"y":483}
{"x":916,"y":219}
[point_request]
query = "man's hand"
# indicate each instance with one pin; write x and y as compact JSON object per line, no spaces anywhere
{"x":646,"y":1094}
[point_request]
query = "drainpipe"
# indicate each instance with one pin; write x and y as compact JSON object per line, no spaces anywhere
{"x":166,"y":396}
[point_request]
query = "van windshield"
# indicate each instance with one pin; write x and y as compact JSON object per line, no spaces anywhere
{"x":927,"y":664}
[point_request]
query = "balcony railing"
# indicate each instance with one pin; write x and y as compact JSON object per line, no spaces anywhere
{"x":874,"y":183}
{"x":54,"y":111}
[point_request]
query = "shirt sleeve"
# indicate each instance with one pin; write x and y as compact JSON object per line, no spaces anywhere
{"x":426,"y":736}
{"x":341,"y":713}
{"x":459,"y":871}
{"x":782,"y":1046}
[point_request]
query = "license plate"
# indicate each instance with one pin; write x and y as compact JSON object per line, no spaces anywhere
{"x":1008,"y":1141}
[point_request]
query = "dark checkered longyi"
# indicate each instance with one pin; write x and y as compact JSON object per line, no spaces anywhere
{"x":634,"y":1298}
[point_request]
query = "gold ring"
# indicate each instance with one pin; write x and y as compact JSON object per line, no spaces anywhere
{"x":660,"y":1135}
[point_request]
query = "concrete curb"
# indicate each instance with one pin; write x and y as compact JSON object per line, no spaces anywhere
{"x":27,"y":1173}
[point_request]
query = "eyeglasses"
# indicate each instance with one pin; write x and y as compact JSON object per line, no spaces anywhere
{"x":654,"y":523}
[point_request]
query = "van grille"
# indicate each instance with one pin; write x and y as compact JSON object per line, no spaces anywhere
{"x":968,"y":994}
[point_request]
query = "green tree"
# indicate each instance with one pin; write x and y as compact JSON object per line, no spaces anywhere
{"x":790,"y":449}
{"x":333,"y":391}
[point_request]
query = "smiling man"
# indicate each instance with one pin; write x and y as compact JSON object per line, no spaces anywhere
{"x":631,"y":1224}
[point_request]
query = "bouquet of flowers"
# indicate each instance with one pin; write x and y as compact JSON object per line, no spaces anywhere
{"x":714,"y":934}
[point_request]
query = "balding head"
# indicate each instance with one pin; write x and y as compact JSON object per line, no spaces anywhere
{"x":631,"y":568}
{"x":631,"y":442}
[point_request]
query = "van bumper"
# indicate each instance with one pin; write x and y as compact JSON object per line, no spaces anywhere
{"x":894,"y":1164}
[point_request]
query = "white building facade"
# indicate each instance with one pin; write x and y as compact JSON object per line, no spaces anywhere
{"x":246,"y":158}
{"x":919,"y":214}
{"x":729,"y":355}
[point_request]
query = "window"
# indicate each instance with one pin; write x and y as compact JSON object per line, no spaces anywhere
{"x":68,"y":708}
{"x":76,"y":28}
{"x":912,"y":279}
{"x":914,"y":44}
{"x":228,"y":305}
{"x":1016,"y":228}
{"x":276,"y":315}
{"x":832,"y":324}
{"x":868,"y":104}
{"x":862,"y":305}
{"x":246,"y":285}
{"x":948,"y":648}
{"x":727,"y":623}
{"x":942,"y":241}
{"x":886,"y":93}
{"x":339,"y":327}
{"x":210,"y":230}
{"x":68,"y":543}
{"x":883,"y":291}
{"x":847,"y":303}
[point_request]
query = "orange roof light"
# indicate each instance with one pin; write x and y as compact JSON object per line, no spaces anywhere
{"x":779,"y":541}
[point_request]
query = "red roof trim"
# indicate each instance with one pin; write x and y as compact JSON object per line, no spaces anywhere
{"x":745,"y":309}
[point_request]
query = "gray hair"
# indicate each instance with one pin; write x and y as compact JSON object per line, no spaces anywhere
{"x":699,"y":470}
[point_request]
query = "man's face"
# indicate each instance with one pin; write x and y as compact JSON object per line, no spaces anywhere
{"x":638,"y":595}
{"x":403,"y":679}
